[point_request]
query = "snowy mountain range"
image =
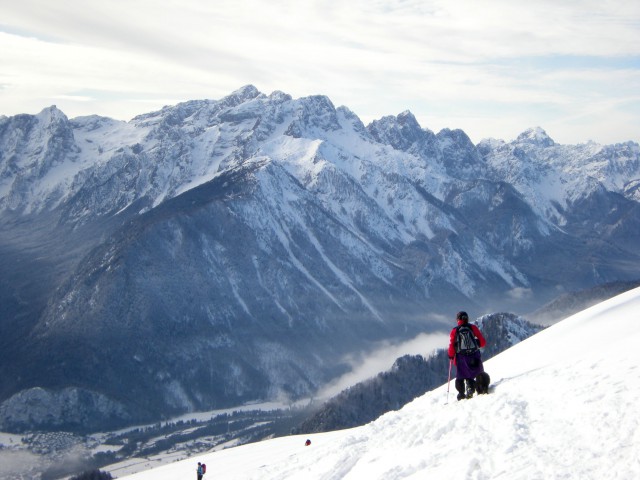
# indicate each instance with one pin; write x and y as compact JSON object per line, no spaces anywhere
{"x":259,"y":239}
{"x":562,"y":406}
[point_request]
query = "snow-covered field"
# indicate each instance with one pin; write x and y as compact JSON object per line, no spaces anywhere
{"x":563,"y":406}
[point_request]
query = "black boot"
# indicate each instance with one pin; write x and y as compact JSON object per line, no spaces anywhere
{"x":460,"y":389}
{"x":471,"y":387}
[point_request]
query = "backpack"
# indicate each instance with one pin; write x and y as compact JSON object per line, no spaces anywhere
{"x":466,"y":342}
{"x":204,"y":469}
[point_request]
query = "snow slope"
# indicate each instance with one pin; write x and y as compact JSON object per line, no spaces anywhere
{"x":563,"y":406}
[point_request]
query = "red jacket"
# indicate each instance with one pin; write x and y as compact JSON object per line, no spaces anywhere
{"x":452,"y":338}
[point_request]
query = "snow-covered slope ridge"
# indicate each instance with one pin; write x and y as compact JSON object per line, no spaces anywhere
{"x":563,"y":406}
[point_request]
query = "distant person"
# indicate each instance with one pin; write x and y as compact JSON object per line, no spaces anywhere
{"x":201,"y":470}
{"x":307,"y":443}
{"x":465,"y":342}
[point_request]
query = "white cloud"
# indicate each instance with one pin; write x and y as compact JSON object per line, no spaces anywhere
{"x":520,"y":293}
{"x":446,"y":61}
{"x":382,"y":359}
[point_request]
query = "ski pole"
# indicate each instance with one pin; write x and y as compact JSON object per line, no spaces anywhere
{"x":449,"y":379}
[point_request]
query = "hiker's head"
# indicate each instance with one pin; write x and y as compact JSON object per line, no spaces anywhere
{"x":462,"y":316}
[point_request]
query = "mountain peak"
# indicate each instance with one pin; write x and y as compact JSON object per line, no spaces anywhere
{"x":407,"y":116}
{"x":248,"y":92}
{"x":51,"y":114}
{"x":536,"y":136}
{"x":279,"y":96}
{"x":400,"y":131}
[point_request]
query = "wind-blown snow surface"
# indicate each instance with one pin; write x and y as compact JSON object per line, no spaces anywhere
{"x":563,"y":406}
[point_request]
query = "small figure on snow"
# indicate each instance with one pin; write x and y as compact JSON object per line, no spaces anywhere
{"x":307,"y":443}
{"x":202,"y":468}
{"x":465,"y":342}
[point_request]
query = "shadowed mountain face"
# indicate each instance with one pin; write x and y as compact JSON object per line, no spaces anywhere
{"x":217,"y":252}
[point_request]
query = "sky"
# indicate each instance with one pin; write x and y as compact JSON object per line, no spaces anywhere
{"x":562,"y":405}
{"x":493,"y":68}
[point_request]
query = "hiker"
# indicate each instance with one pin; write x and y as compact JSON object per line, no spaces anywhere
{"x":200,"y":470}
{"x":465,"y":342}
{"x":307,"y":443}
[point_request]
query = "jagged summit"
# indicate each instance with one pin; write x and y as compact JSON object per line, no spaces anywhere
{"x":407,"y":117}
{"x":52,"y":113}
{"x":243,"y":94}
{"x":401,"y":131}
{"x":246,"y":92}
{"x":279,"y":96}
{"x":536,"y":136}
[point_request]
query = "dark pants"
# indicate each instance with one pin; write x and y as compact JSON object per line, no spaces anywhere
{"x":468,"y":367}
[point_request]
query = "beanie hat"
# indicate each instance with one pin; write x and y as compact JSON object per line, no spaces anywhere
{"x":462,"y":316}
